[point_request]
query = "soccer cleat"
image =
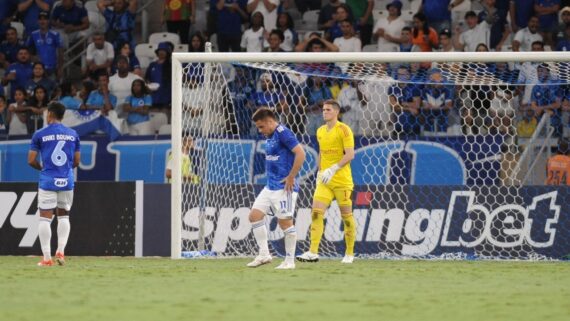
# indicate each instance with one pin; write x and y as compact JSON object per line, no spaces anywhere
{"x":308,"y":257}
{"x":45,"y":263}
{"x":286,"y":266}
{"x":60,"y":258}
{"x":347,"y":259}
{"x":260,"y":260}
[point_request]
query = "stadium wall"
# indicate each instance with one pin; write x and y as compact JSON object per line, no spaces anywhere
{"x":123,"y":219}
{"x":425,"y":161}
{"x":102,"y":219}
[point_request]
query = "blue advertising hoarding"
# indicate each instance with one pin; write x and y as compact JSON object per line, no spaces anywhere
{"x":427,"y":161}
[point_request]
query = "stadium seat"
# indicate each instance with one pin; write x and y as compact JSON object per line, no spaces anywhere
{"x":370,"y":48}
{"x":214,"y":42}
{"x":311,"y":16}
{"x":165,"y":130}
{"x":19,"y":28}
{"x":181,"y":47}
{"x":145,"y":53}
{"x":97,"y":22}
{"x":157,"y":120}
{"x":159,"y":37}
{"x":378,"y":14}
{"x":408,"y":15}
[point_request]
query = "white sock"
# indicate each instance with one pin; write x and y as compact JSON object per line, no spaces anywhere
{"x":290,"y":242}
{"x":44,"y":229}
{"x":260,"y":233}
{"x":63,"y":228}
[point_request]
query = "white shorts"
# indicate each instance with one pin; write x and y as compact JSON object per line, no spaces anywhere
{"x":48,"y":200}
{"x":281,"y":202}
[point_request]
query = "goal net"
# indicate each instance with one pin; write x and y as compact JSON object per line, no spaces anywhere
{"x":438,"y":138}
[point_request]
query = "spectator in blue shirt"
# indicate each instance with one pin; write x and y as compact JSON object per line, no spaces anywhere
{"x":269,"y":95}
{"x":30,"y":10}
{"x":19,"y":72}
{"x":229,"y":16}
{"x":520,"y":12}
{"x":159,"y":72}
{"x":343,"y":12}
{"x":546,"y":98}
{"x":101,"y":99}
{"x":405,"y":102}
{"x":7,"y":13}
{"x":68,"y":96}
{"x":39,"y":79}
{"x":47,"y":46}
{"x":437,"y":101}
{"x":37,"y":103}
{"x":438,"y":13}
{"x":547,"y":12}
{"x":9,"y":48}
{"x":137,"y":106}
{"x":316,"y":92}
{"x":134,"y":64}
{"x":120,"y":20}
{"x":564,"y":44}
{"x":71,"y":21}
{"x":241,"y":91}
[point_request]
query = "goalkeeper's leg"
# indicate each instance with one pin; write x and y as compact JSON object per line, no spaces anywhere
{"x":344,"y":200}
{"x":321,"y":200}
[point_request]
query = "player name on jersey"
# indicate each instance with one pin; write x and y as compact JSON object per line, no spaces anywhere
{"x":58,"y":137}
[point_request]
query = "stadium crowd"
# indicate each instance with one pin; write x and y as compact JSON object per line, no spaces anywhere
{"x":413,"y":99}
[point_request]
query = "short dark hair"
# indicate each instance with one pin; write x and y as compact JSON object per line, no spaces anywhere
{"x":538,"y":42}
{"x":263,"y":113}
{"x":57,"y":109}
{"x":279,"y":34}
{"x":332,"y":102}
{"x":408,"y":29}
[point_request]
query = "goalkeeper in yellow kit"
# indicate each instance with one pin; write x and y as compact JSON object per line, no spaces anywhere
{"x":334,"y":181}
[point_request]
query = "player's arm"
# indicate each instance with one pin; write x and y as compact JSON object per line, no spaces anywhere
{"x":76,"y":158}
{"x":297,"y":164}
{"x":33,"y":161}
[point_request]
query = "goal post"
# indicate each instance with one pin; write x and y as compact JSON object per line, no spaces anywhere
{"x":436,"y":175}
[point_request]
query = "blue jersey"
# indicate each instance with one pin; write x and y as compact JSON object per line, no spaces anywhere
{"x":279,"y":157}
{"x":138,"y":102}
{"x":57,"y":145}
{"x":46,"y":46}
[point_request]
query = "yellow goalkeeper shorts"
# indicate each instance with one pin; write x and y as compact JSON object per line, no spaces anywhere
{"x":326,"y":193}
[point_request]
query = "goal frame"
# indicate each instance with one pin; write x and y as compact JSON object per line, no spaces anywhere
{"x":292,"y":57}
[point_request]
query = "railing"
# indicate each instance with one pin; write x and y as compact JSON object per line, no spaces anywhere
{"x":82,"y":42}
{"x":529,"y":154}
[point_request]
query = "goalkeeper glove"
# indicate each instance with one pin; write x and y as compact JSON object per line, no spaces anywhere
{"x":326,"y":176}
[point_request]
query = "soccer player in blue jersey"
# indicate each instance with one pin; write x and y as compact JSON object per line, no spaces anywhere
{"x":284,"y":157}
{"x":58,"y":147}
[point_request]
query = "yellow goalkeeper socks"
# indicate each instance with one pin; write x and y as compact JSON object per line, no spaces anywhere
{"x":317,"y":228}
{"x":349,"y":233}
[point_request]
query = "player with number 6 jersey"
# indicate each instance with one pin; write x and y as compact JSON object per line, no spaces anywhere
{"x":58,"y":147}
{"x":284,"y":157}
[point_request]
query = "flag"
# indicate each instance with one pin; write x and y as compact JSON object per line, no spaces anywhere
{"x":85,"y":122}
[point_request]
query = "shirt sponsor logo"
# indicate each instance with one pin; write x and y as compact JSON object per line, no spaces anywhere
{"x":60,"y":182}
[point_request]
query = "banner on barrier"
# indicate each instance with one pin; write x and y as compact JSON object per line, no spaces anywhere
{"x":102,"y":219}
{"x":427,"y":161}
{"x":435,"y":221}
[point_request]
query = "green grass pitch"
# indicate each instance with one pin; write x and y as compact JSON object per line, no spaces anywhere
{"x":92,"y":288}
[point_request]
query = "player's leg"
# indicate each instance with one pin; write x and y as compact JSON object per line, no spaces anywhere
{"x":64,"y":201}
{"x":260,"y":207}
{"x":285,"y":216}
{"x":47,"y":201}
{"x":344,"y":200}
{"x":321,"y":200}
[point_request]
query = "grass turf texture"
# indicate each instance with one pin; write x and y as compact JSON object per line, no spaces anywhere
{"x":90,"y":288}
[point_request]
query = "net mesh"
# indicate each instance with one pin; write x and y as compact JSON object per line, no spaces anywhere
{"x":436,"y":171}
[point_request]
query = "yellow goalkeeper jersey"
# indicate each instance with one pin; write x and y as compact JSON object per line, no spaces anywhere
{"x":331,"y":148}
